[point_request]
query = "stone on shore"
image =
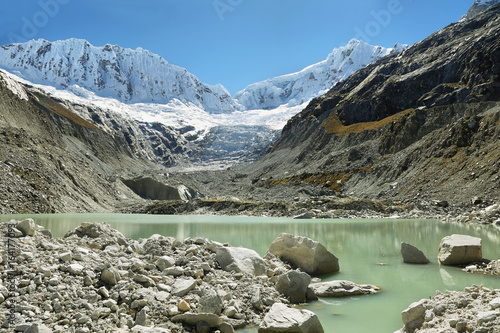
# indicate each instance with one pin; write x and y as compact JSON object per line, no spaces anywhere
{"x":294,"y":285}
{"x":412,"y":255}
{"x":27,"y":227}
{"x":193,"y":319}
{"x":460,"y":250}
{"x":414,"y":316}
{"x":241,"y":260}
{"x":305,"y":253}
{"x":281,"y":318}
{"x":342,"y":288}
{"x":110,"y":276}
{"x":182,"y":286}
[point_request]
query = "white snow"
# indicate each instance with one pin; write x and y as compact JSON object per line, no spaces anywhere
{"x":13,"y":84}
{"x":130,"y":76}
{"x":298,"y":88}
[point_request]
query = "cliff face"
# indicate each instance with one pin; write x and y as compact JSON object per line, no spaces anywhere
{"x":52,"y":160}
{"x":406,"y":119}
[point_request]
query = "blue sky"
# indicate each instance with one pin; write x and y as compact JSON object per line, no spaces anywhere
{"x":232,"y":42}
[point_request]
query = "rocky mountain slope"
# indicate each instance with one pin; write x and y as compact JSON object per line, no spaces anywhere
{"x":477,"y":7}
{"x":53,"y":160}
{"x":313,"y":81}
{"x":424,"y":122}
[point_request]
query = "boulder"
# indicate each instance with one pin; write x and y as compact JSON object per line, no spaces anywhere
{"x":182,"y":286}
{"x":210,"y":303}
{"x":27,"y":227}
{"x":164,"y":262}
{"x":294,"y":285}
{"x":342,"y":288}
{"x":412,"y":255}
{"x":95,"y":230}
{"x":281,"y":318}
{"x":304,"y":253}
{"x":460,"y":250}
{"x":241,"y":260}
{"x":192,"y":319}
{"x":414,"y":316}
{"x":303,"y":216}
{"x":38,"y":328}
{"x":110,"y":276}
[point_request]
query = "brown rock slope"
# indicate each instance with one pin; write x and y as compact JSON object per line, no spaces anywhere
{"x":424,"y":122}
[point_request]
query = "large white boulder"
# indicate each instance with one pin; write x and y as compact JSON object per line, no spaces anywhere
{"x":304,"y":253}
{"x":281,"y":318}
{"x":460,"y":250}
{"x":241,"y":260}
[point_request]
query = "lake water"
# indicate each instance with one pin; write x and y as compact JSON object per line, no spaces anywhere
{"x":368,"y":252}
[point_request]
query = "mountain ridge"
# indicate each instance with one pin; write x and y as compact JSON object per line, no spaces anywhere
{"x":133,"y":76}
{"x":314,"y":80}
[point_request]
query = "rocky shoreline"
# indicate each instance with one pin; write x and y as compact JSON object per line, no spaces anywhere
{"x":325,"y":207}
{"x":96,"y":280}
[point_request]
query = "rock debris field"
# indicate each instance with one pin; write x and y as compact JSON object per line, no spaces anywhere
{"x":96,"y":280}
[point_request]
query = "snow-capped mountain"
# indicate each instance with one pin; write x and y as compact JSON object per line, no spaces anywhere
{"x":163,"y":111}
{"x":477,"y":7}
{"x":132,"y":76}
{"x":315,"y":80}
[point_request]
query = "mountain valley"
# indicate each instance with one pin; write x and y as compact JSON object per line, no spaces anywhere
{"x":408,"y":129}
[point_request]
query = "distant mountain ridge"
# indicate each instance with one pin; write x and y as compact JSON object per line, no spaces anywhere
{"x":135,"y":76}
{"x":313,"y":81}
{"x":139,"y":76}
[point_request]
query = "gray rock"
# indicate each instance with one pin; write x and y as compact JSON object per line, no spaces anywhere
{"x":182,"y":286}
{"x":211,"y":303}
{"x":483,"y":317}
{"x":281,"y":318}
{"x":303,"y":216}
{"x":75,"y":269}
{"x":342,"y":288}
{"x":495,"y":303}
{"x":412,"y":255}
{"x":460,"y":250}
{"x":66,"y":256}
{"x":294,"y":285}
{"x":38,"y":328}
{"x":164,"y":262}
{"x":413,"y":317}
{"x":141,"y":317}
{"x":304,"y":253}
{"x":193,"y":319}
{"x":226,"y":328}
{"x":27,"y":227}
{"x":241,"y":260}
{"x":110,"y":276}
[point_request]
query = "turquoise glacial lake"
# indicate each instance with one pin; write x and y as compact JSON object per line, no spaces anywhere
{"x":368,"y":252}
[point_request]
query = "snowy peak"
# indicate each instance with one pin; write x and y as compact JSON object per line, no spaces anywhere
{"x":315,"y":80}
{"x":477,"y":7}
{"x":132,"y":76}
